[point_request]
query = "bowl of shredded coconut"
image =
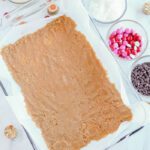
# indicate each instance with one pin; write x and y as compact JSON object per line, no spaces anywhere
{"x":105,"y":11}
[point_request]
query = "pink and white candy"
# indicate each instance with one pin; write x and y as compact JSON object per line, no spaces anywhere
{"x":125,"y":43}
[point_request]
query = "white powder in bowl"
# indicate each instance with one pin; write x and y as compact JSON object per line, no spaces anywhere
{"x":105,"y":10}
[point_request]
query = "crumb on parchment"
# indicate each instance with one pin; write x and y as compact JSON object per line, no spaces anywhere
{"x":10,"y":132}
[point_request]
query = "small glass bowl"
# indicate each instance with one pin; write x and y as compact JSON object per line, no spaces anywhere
{"x":23,"y":2}
{"x":85,"y":3}
{"x":139,"y":61}
{"x":131,"y":24}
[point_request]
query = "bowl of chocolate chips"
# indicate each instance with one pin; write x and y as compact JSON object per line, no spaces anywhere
{"x":140,"y":76}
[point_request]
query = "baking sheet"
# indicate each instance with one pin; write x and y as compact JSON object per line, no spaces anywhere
{"x":16,"y":99}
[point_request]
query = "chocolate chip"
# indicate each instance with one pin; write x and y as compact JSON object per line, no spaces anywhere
{"x":140,"y":78}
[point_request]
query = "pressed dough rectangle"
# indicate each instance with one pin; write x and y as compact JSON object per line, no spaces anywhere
{"x":66,"y":88}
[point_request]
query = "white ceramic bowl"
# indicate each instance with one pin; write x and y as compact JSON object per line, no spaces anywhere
{"x":19,"y":1}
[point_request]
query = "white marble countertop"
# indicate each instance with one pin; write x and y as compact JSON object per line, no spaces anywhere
{"x":7,"y":116}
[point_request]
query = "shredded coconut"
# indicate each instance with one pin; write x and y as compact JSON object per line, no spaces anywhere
{"x":105,"y":10}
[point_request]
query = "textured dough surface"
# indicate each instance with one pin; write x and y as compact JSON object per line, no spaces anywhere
{"x":66,"y":89}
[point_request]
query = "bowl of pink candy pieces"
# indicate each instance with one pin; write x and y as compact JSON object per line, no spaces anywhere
{"x":127,"y":39}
